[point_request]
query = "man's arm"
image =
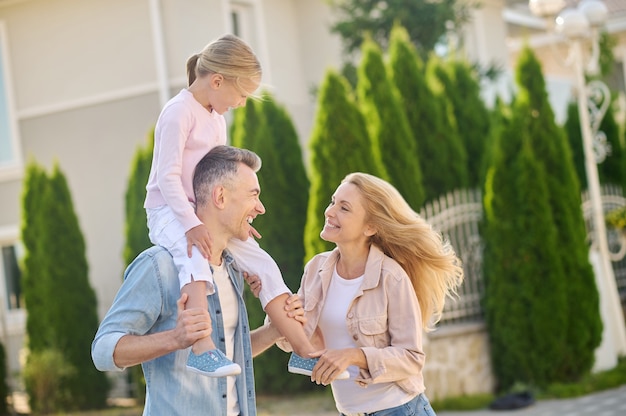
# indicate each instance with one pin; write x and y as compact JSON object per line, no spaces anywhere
{"x":263,"y":337}
{"x":191,"y":325}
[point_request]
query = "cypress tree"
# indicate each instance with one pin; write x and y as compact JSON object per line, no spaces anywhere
{"x":611,"y":170}
{"x":388,"y":126}
{"x":499,"y":116}
{"x":339,"y":144}
{"x":136,"y":228}
{"x":265,"y":128}
{"x":286,"y":220}
{"x":524,"y":280}
{"x":32,"y":228}
{"x":584,"y":325}
{"x":441,"y":157}
{"x":452,"y":146}
{"x":63,"y":288}
{"x":462,"y":89}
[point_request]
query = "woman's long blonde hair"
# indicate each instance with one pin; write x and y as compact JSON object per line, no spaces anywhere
{"x":429,"y":260}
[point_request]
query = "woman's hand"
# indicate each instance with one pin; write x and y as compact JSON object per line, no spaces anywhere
{"x":334,"y":362}
{"x":295,"y":308}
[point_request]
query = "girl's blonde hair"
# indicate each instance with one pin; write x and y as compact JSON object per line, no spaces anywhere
{"x":229,"y":56}
{"x":429,"y":260}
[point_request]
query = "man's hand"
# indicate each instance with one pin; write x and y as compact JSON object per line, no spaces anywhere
{"x":191,"y":324}
{"x":254,"y":282}
{"x":199,"y":236}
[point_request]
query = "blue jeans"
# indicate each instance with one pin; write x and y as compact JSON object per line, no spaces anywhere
{"x":419,"y":406}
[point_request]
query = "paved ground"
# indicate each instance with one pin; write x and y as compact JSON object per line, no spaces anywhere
{"x":606,"y":403}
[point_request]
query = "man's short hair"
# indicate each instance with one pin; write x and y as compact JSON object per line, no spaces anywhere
{"x":219,"y":166}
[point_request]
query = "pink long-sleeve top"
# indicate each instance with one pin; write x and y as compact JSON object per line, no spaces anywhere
{"x":184,"y":133}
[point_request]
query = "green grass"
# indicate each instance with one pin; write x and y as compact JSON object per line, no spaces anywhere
{"x":473,"y":402}
{"x":594,"y":382}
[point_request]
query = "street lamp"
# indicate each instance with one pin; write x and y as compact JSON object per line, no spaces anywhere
{"x":593,"y":98}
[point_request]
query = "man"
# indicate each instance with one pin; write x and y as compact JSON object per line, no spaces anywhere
{"x":149,"y":324}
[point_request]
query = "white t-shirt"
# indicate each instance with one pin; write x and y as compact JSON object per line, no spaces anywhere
{"x":349,"y":396}
{"x":230,"y":316}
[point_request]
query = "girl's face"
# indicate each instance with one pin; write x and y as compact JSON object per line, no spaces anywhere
{"x":228,"y":93}
{"x":346,"y":217}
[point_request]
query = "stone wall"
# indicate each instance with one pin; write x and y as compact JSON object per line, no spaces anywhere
{"x":457,"y":361}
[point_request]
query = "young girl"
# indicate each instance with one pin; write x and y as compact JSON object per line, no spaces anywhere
{"x":221,"y":77}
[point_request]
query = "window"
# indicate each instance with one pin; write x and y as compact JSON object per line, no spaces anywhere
{"x":12,"y":277}
{"x":11,"y":251}
{"x":235,"y":22}
{"x":241,"y":20}
{"x":10,"y":156}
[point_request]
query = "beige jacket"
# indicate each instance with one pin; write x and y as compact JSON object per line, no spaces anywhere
{"x":384,"y":318}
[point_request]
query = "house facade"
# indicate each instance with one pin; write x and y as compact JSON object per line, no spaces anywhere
{"x":82,"y":83}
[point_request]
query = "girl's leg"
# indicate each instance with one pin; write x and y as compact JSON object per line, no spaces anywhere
{"x":205,"y":358}
{"x":196,"y":292}
{"x":166,"y":231}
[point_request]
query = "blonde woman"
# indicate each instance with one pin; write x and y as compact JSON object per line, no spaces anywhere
{"x":222,"y":76}
{"x":369,"y":300}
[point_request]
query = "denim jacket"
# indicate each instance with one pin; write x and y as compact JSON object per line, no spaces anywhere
{"x":145,"y":304}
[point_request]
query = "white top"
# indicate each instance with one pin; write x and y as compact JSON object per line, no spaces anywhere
{"x":349,"y":396}
{"x":230,"y":317}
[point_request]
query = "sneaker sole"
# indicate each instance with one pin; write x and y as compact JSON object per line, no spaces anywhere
{"x":297,"y":370}
{"x":228,"y":370}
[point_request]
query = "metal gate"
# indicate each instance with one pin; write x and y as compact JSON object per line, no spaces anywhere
{"x":458,"y":214}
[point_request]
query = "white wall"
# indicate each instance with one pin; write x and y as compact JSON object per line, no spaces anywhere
{"x":86,"y":92}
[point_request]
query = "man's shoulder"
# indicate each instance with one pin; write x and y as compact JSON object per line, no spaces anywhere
{"x":156,"y":258}
{"x":154,"y":252}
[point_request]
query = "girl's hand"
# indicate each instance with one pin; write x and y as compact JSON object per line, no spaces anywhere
{"x":199,"y":236}
{"x":254,"y":232}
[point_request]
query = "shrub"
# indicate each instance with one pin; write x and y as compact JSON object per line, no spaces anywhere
{"x":43,"y":376}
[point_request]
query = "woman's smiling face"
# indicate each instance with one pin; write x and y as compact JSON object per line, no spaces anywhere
{"x":346,"y":217}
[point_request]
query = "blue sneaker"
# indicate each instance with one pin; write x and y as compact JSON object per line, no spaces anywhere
{"x":212,"y":363}
{"x":304,"y":366}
